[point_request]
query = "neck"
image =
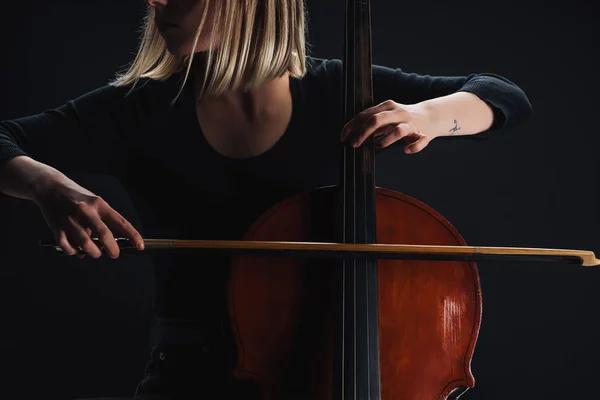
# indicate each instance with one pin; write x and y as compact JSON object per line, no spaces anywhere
{"x":269,"y":96}
{"x":253,"y":103}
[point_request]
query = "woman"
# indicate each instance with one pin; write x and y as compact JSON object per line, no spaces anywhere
{"x":221,"y":115}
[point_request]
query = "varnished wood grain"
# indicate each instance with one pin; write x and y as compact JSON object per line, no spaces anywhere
{"x":281,"y":311}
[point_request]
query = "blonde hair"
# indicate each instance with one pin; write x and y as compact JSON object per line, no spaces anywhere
{"x":259,"y":40}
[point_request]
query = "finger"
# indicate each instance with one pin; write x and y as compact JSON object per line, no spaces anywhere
{"x":77,"y":235}
{"x":63,"y":243}
{"x":120,"y":224}
{"x":393,"y":134}
{"x":105,"y":236}
{"x":360,"y":118}
{"x":383,"y":131}
{"x":378,"y":121}
{"x":88,"y":231}
{"x":417,"y":145}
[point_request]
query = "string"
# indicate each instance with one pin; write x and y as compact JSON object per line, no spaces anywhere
{"x":354,"y":203}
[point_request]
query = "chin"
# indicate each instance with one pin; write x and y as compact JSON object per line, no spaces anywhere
{"x":177,"y":49}
{"x":185,"y":49}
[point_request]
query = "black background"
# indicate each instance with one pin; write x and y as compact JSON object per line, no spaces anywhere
{"x":77,"y":328}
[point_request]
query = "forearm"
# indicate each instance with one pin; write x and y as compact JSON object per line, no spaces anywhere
{"x":23,"y":177}
{"x":457,"y":114}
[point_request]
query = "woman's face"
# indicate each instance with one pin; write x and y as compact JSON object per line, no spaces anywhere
{"x":177,"y":22}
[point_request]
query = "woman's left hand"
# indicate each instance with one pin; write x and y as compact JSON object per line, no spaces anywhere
{"x":389,"y":122}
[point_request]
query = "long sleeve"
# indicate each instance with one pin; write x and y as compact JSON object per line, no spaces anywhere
{"x":89,"y":133}
{"x":509,"y":103}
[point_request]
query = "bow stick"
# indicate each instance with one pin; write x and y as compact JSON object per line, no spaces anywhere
{"x":346,"y":250}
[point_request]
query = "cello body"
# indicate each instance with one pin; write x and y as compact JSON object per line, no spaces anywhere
{"x":283,"y":311}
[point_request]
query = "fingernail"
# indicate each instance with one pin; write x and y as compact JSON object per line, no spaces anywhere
{"x":140,"y":246}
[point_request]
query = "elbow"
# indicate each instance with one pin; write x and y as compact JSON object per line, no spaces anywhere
{"x":511,"y":100}
{"x":521,"y":109}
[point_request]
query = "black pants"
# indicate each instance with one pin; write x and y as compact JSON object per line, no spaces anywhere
{"x":189,"y":362}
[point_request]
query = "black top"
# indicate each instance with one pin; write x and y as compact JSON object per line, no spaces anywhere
{"x":183,"y":188}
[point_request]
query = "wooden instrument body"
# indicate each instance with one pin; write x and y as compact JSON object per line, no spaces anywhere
{"x":283,"y":311}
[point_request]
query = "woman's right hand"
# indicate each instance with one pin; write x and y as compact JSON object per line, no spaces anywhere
{"x":75,"y":215}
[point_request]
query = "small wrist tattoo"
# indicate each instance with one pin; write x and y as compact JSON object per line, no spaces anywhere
{"x":455,"y":128}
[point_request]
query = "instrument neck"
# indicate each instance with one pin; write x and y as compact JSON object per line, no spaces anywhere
{"x":358,"y":371}
{"x":358,"y":170}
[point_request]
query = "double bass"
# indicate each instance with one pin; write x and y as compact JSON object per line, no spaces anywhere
{"x":356,"y":291}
